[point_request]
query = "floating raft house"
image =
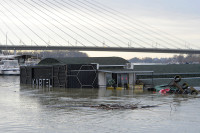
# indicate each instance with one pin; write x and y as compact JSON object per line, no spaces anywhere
{"x":79,"y":72}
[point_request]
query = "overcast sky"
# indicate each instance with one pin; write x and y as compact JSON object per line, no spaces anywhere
{"x":180,"y":18}
{"x":174,"y":16}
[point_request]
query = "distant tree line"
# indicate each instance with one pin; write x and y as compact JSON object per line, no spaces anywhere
{"x":181,"y":59}
{"x":51,"y":53}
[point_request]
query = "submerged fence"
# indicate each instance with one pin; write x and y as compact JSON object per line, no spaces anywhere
{"x":163,"y":74}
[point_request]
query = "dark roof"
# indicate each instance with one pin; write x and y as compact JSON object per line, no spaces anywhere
{"x":84,"y":60}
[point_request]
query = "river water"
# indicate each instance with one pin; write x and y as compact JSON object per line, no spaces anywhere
{"x":27,"y":109}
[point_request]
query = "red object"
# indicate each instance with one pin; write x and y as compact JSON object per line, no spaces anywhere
{"x":164,"y":91}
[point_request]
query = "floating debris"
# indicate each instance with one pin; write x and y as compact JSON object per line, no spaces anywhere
{"x":118,"y":106}
{"x":109,"y":106}
{"x":174,"y":87}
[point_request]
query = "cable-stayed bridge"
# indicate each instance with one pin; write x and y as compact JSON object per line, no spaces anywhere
{"x":84,"y":25}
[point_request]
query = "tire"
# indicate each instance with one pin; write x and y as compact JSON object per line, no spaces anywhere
{"x":177,"y":78}
{"x":194,"y":93}
{"x":185,"y":86}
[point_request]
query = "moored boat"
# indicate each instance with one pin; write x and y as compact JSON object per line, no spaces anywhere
{"x":9,"y":67}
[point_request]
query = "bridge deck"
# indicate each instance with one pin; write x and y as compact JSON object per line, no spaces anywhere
{"x":114,"y":49}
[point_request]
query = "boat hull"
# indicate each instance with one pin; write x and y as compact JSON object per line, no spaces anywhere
{"x":161,"y":87}
{"x":10,"y":72}
{"x":9,"y":67}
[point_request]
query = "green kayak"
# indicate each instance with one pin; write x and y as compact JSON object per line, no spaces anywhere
{"x":166,"y":86}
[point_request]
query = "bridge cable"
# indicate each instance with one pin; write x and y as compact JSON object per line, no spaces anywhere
{"x":60,"y":22}
{"x":90,"y":24}
{"x":43,"y":23}
{"x":101,"y":20}
{"x":78,"y":23}
{"x":120,"y":20}
{"x":128,"y":19}
{"x":25,"y":24}
{"x":148,"y":26}
{"x":32,"y":22}
{"x":116,"y":21}
{"x":16,"y":26}
{"x":5,"y":35}
{"x":116,"y":14}
{"x":91,"y":20}
{"x":67,"y":22}
{"x":53,"y":24}
{"x":9,"y":30}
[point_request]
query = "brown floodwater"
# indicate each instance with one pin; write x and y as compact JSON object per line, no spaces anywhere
{"x":28,"y":109}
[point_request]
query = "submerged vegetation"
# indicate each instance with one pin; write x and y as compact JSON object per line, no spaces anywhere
{"x":118,"y":106}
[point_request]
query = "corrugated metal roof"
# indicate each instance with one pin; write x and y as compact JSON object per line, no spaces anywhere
{"x":84,"y":60}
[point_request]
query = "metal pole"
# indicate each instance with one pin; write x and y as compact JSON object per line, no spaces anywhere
{"x":6,"y":42}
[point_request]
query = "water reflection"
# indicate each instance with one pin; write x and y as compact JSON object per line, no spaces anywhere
{"x":28,"y":109}
{"x":77,"y":98}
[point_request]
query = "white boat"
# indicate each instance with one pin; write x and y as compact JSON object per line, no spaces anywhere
{"x":9,"y":67}
{"x":10,"y":64}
